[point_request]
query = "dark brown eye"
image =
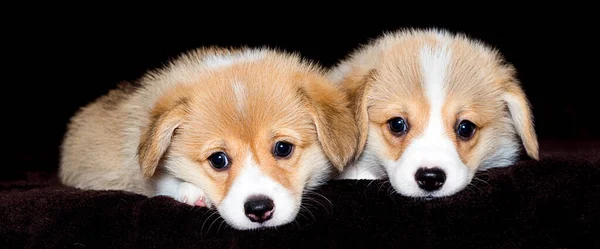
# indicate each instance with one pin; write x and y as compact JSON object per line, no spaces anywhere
{"x":465,"y":129}
{"x":397,"y":126}
{"x":218,"y":160}
{"x":283,"y":149}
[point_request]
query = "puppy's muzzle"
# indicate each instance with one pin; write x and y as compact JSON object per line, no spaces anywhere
{"x":430,"y":179}
{"x":259,"y":208}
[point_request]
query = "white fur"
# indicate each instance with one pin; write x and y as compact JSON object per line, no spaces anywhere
{"x":340,"y":73}
{"x":101,"y":146}
{"x":252,"y":181}
{"x":219,"y":61}
{"x":504,"y":154}
{"x":433,"y":148}
{"x":167,"y":185}
{"x":434,"y":64}
{"x":318,"y":172}
{"x":514,"y":106}
{"x":358,"y":171}
{"x":368,"y":166}
{"x":181,"y":191}
{"x":430,"y":150}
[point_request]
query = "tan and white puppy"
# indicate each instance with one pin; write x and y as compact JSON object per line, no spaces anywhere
{"x":433,"y":107}
{"x":244,"y":130}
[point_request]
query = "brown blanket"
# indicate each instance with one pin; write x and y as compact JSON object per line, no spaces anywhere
{"x":553,"y":203}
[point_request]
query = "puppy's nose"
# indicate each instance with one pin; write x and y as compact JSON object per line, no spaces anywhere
{"x":430,"y":179}
{"x":259,"y":208}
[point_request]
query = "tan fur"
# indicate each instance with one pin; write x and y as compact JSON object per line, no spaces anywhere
{"x":383,"y":80}
{"x":183,"y":113}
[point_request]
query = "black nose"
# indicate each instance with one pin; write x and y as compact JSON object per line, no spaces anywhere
{"x":430,"y":179}
{"x":259,"y":208}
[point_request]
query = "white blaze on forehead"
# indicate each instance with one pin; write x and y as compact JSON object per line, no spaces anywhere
{"x":433,"y":148}
{"x":214,"y":61}
{"x":240,"y":96}
{"x":435,"y":62}
{"x":252,"y":181}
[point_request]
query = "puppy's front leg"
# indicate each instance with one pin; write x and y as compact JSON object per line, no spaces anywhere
{"x":181,"y":191}
{"x":358,"y":172}
{"x":190,"y":194}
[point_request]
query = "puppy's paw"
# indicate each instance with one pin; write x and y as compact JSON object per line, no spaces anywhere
{"x":354,"y":172}
{"x":192,"y":195}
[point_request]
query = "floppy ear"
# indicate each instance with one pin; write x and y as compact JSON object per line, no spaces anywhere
{"x":520,"y":111}
{"x":336,"y":129}
{"x":156,"y":137}
{"x":357,"y":88}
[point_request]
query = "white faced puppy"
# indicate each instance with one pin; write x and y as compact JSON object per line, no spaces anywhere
{"x":433,"y":108}
{"x":244,"y":130}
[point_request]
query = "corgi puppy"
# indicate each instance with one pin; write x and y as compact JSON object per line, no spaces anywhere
{"x":242,"y":130}
{"x":433,"y":108}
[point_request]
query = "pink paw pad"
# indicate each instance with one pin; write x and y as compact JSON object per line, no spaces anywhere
{"x":200,"y":203}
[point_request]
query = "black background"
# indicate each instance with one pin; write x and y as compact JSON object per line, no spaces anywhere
{"x":57,"y":61}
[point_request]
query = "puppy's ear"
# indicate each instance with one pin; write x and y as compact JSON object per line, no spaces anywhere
{"x":357,"y":88}
{"x":522,"y":117}
{"x":336,"y":129}
{"x":156,"y":137}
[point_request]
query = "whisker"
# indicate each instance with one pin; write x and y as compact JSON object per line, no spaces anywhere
{"x":381,"y":185}
{"x":474,"y":186}
{"x":371,"y":182}
{"x":222,"y":222}
{"x":391,"y":192}
{"x":207,"y":219}
{"x":296,"y":223}
{"x":307,"y":204}
{"x":325,"y":198}
{"x":320,"y":205}
{"x":481,"y":180}
{"x":305,"y":210}
{"x":307,"y":200}
{"x":211,"y":224}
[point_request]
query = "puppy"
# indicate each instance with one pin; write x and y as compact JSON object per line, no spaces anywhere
{"x":242,"y":130}
{"x":433,"y":107}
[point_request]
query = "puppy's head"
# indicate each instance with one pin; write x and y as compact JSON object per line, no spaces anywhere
{"x":252,"y":128}
{"x":434,"y":108}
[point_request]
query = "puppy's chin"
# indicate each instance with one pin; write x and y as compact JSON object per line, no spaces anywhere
{"x":252,"y":183}
{"x":402,"y":178}
{"x":403,"y":172}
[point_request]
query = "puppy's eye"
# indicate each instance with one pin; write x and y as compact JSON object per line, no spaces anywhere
{"x":283,"y":149}
{"x":465,"y":129}
{"x":397,"y":126}
{"x":218,"y":160}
